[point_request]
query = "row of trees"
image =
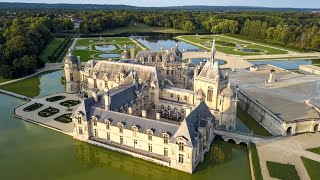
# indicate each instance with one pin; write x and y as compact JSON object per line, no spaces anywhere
{"x":22,"y":39}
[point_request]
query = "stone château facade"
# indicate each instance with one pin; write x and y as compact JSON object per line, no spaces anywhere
{"x":151,"y":107}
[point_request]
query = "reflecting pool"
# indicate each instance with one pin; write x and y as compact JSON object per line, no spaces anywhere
{"x":109,"y":55}
{"x":285,"y":64}
{"x":105,"y":47}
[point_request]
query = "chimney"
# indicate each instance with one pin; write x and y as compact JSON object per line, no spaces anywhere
{"x":272,"y":76}
{"x":107,"y":101}
{"x":130,"y":111}
{"x":144,"y":113}
{"x":157,"y":116}
{"x":188,"y":111}
{"x":95,"y":96}
{"x":79,"y":62}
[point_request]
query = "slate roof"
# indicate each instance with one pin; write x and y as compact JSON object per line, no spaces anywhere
{"x":158,"y":127}
{"x":199,"y":117}
{"x":122,"y":95}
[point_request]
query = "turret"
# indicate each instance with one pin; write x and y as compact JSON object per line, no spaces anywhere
{"x":72,"y":68}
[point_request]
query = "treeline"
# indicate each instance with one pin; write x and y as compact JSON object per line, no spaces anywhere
{"x":60,"y":49}
{"x":22,"y":39}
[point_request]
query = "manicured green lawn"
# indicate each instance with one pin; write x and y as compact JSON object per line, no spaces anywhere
{"x":29,"y":87}
{"x":225,"y":45}
{"x":139,"y":27}
{"x":51,"y":47}
{"x":282,"y":171}
{"x":315,"y":150}
{"x":251,"y":123}
{"x":313,"y":168}
{"x":84,"y":55}
{"x":255,"y":162}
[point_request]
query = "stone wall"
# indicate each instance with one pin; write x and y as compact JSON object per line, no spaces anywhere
{"x":266,"y":118}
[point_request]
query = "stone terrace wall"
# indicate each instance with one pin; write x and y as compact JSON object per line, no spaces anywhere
{"x":265,"y":117}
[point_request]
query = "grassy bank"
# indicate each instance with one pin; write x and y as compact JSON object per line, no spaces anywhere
{"x":282,"y":171}
{"x":315,"y":150}
{"x":251,"y":123}
{"x":312,"y":168}
{"x":255,"y":162}
{"x":50,"y":48}
{"x":2,"y":80}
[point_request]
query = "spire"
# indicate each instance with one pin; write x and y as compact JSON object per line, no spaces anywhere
{"x":213,"y":49}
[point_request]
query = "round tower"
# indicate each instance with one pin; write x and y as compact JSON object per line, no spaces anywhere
{"x":72,"y":68}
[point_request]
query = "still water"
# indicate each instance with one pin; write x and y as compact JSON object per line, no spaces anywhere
{"x":285,"y":64}
{"x":28,"y":151}
{"x":158,"y":42}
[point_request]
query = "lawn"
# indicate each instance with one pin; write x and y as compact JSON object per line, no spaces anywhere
{"x":51,"y":47}
{"x":92,"y":53}
{"x":282,"y":171}
{"x":312,"y":168}
{"x":139,"y":28}
{"x":255,"y":162}
{"x":315,"y":150}
{"x":230,"y":46}
{"x":251,"y":123}
{"x":2,"y":80}
{"x":29,"y":87}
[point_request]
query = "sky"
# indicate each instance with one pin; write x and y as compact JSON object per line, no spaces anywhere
{"x":157,"y":3}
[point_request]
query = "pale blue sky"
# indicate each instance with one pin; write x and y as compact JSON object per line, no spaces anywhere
{"x":262,"y":3}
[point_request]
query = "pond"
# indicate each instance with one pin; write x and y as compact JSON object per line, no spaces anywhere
{"x":41,"y":85}
{"x":81,"y":47}
{"x":165,"y":42}
{"x":109,"y":55}
{"x":105,"y":47}
{"x":285,"y":64}
{"x":40,"y":153}
{"x":249,"y":50}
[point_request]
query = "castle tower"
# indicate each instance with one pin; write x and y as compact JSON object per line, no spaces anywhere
{"x":210,"y":80}
{"x":72,"y":68}
{"x":228,"y":107}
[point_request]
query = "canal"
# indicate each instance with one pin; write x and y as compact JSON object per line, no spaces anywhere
{"x":28,"y":151}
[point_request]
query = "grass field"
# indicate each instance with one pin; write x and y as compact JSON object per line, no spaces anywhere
{"x":255,"y":162}
{"x":315,"y":150}
{"x":251,"y":123}
{"x":232,"y":46}
{"x":282,"y":171}
{"x":51,"y":47}
{"x":312,"y":168}
{"x":29,"y":87}
{"x":139,"y":28}
{"x":91,"y":52}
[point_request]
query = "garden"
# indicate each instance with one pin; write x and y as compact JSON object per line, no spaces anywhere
{"x":55,"y":98}
{"x":33,"y":107}
{"x":70,"y":103}
{"x":103,"y":48}
{"x":48,"y":112}
{"x":64,"y":118}
{"x":282,"y":171}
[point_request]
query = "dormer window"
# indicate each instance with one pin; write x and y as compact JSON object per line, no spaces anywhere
{"x":181,"y":146}
{"x":150,"y":134}
{"x":120,"y":126}
{"x":94,"y":120}
{"x":134,"y":131}
{"x":107,"y":124}
{"x":165,"y":138}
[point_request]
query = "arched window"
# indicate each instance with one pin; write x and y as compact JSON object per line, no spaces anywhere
{"x":210,"y":94}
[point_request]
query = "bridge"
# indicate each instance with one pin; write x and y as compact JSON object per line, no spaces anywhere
{"x":239,"y":137}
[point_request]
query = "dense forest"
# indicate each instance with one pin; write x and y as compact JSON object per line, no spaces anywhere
{"x":25,"y":33}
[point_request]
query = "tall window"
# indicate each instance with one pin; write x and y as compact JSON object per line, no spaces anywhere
{"x":210,"y":94}
{"x":135,"y":142}
{"x":150,"y":147}
{"x":108,"y":136}
{"x":180,"y":158}
{"x":71,"y":76}
{"x":95,"y":133}
{"x":95,"y":83}
{"x":185,"y":98}
{"x":181,"y":146}
{"x":80,"y":130}
{"x":79,"y":121}
{"x":121,"y":139}
{"x":134,"y":131}
{"x":165,"y":138}
{"x":165,"y":151}
{"x":171,"y":95}
{"x":95,"y":122}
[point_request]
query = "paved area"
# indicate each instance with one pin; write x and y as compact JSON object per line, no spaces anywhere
{"x":285,"y":98}
{"x":49,"y":121}
{"x":288,"y":150}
